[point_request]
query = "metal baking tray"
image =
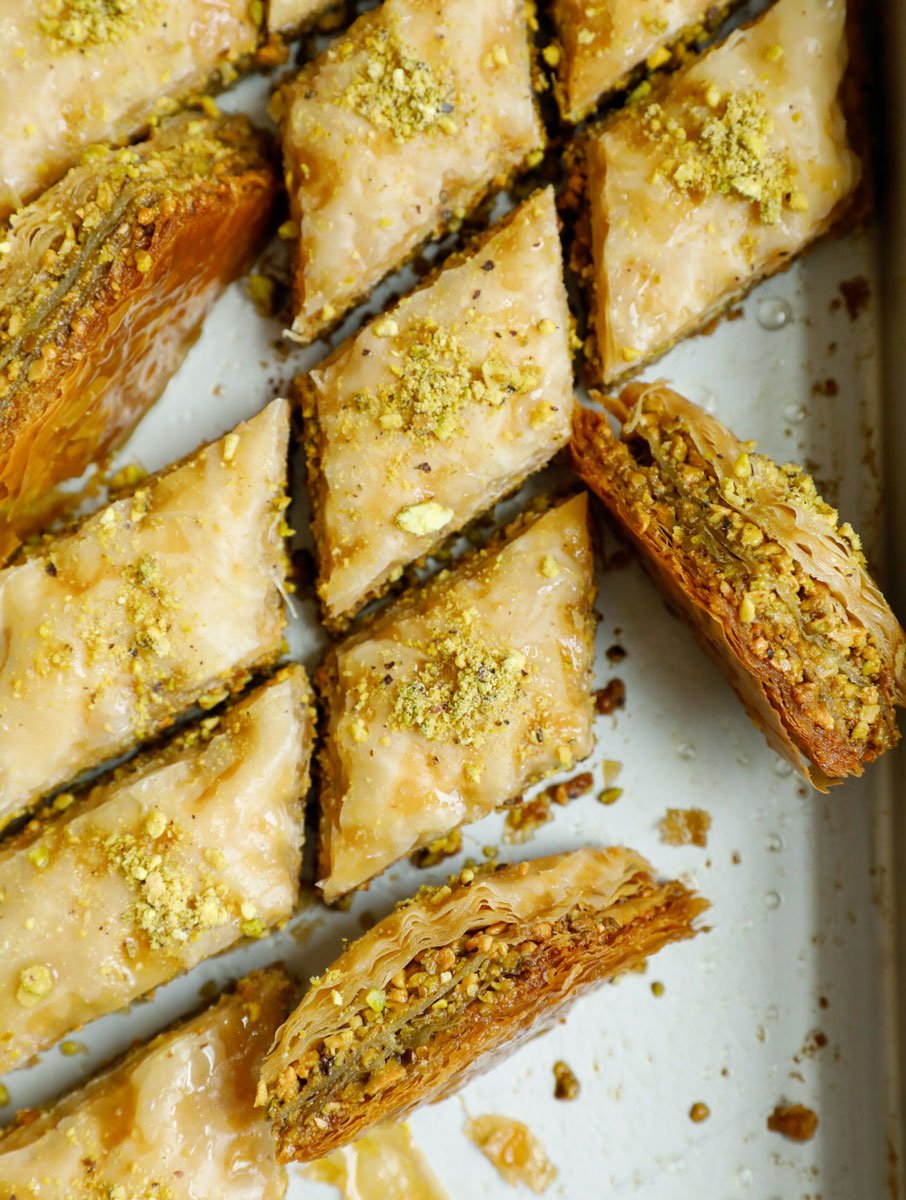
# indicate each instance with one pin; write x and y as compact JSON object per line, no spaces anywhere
{"x":792,"y":993}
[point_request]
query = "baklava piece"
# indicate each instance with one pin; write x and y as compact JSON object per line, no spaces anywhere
{"x":174,"y":858}
{"x":602,"y":47}
{"x":714,"y":180}
{"x":167,"y":597}
{"x":394,"y":134}
{"x":454,"y":979}
{"x":438,"y":408}
{"x":775,"y":586}
{"x":77,"y":73}
{"x":458,"y":696}
{"x":104,"y":282}
{"x":174,"y":1120}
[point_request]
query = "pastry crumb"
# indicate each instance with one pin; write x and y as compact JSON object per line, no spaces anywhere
{"x":795,"y":1122}
{"x":685,"y":826}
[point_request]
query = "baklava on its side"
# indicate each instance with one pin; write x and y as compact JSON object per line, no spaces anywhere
{"x":393,"y":134}
{"x":452,"y":980}
{"x":603,"y":45}
{"x":773,"y":583}
{"x":174,"y":1120}
{"x":104,"y":281}
{"x":174,"y":858}
{"x":713,"y":180}
{"x":458,"y":696}
{"x":164,"y":598}
{"x":438,"y":408}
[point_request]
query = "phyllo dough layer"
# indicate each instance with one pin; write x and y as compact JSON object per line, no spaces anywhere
{"x":439,"y":407}
{"x":180,"y":854}
{"x":601,"y":45}
{"x":174,"y":1120}
{"x":775,"y":585}
{"x":455,"y":978}
{"x":104,"y":282}
{"x":393,"y":134}
{"x":458,"y":696}
{"x":168,"y":596}
{"x":714,"y":180}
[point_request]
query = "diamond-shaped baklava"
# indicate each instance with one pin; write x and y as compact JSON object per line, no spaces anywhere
{"x":713,"y":179}
{"x":602,"y":44}
{"x":458,"y":696}
{"x":439,"y":407}
{"x":764,"y":571}
{"x":174,"y":858}
{"x":104,"y":281}
{"x":393,"y":134}
{"x":164,"y":598}
{"x":452,"y":980}
{"x":174,"y":1120}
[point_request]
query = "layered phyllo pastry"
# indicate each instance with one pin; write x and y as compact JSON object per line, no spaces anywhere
{"x":104,"y":281}
{"x":173,"y":858}
{"x":458,"y":696}
{"x":603,"y":46}
{"x":173,"y":1120}
{"x":438,"y":408}
{"x":452,"y":980}
{"x":77,"y":73}
{"x":167,"y":597}
{"x":771,"y":580}
{"x":394,"y":134}
{"x":713,"y":179}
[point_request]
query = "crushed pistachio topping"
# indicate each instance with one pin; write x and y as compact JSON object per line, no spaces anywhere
{"x":719,"y":144}
{"x":35,"y":985}
{"x":398,"y":92}
{"x":793,"y":622}
{"x":73,"y":24}
{"x":435,"y":381}
{"x":169,"y":905}
{"x":463,"y":689}
{"x":422,"y":519}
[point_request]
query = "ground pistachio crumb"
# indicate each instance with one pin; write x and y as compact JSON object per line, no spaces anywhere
{"x":718,"y":145}
{"x":35,"y":985}
{"x":463,"y":689}
{"x":436,"y":851}
{"x":398,"y":92}
{"x":79,"y":23}
{"x":422,"y":519}
{"x":699,"y":1112}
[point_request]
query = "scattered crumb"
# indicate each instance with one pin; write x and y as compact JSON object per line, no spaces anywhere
{"x":856,"y":295}
{"x":615,"y":653}
{"x":699,"y":1112}
{"x":514,"y":1151}
{"x":735,"y":858}
{"x":566,"y":1085}
{"x":685,"y":826}
{"x":435,"y":852}
{"x":826,"y":387}
{"x":657,"y":988}
{"x":611,"y":697}
{"x":525,"y":817}
{"x":4,"y":1096}
{"x":794,"y":1122}
{"x":815,"y":1041}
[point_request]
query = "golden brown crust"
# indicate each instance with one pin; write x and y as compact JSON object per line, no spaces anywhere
{"x":107,"y":346}
{"x":773,"y":698}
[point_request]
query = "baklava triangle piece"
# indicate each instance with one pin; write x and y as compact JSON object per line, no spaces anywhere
{"x":171,"y":859}
{"x":394,"y":134}
{"x":454,"y":979}
{"x":175,"y":1119}
{"x":714,"y":179}
{"x":164,"y":598}
{"x":458,"y":696}
{"x":439,"y":407}
{"x":104,"y":282}
{"x":775,"y":586}
{"x":601,"y":48}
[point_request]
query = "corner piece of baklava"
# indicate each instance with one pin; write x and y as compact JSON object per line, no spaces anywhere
{"x":452,"y":980}
{"x":393,"y":134}
{"x":174,"y":1120}
{"x":175,"y":857}
{"x":457,"y":696}
{"x":104,"y":281}
{"x":771,"y":581}
{"x":167,"y":597}
{"x":601,"y":48}
{"x":713,"y":179}
{"x":438,"y":408}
